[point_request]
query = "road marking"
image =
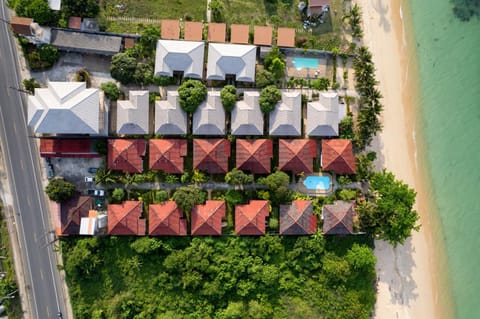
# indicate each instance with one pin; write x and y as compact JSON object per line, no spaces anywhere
{"x":41,"y":274}
{"x":22,"y":164}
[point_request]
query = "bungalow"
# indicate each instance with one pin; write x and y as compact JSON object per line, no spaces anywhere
{"x":126,"y":219}
{"x":85,"y":42}
{"x":247,"y":118}
{"x":211,"y":155}
{"x":179,"y":56}
{"x":207,"y":218}
{"x":297,"y":218}
{"x":297,"y":155}
{"x":250,"y":218}
{"x":337,"y":156}
{"x":167,"y":155}
{"x":170,"y":119}
{"x":338,"y":218}
{"x":285,"y":119}
{"x":254,"y":156}
{"x":166,"y":219}
{"x":209,"y":118}
{"x":71,"y":213}
{"x":132,"y":115}
{"x":226,"y":60}
{"x":126,"y":155}
{"x":323,"y":116}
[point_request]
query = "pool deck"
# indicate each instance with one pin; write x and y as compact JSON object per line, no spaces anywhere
{"x":311,"y":73}
{"x":317,"y":192}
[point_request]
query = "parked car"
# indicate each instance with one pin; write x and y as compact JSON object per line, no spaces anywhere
{"x":89,"y":179}
{"x":92,"y":170}
{"x":96,"y":192}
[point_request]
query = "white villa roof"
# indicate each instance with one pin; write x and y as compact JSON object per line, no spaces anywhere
{"x":247,"y":118}
{"x":285,"y":119}
{"x":170,"y":119}
{"x":64,"y":108}
{"x":132,"y":115}
{"x":209,"y":118}
{"x":176,"y":55}
{"x":234,"y":59}
{"x":323,"y":115}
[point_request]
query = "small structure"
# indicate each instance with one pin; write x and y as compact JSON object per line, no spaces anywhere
{"x":85,"y":42}
{"x":90,"y":225}
{"x":126,"y":219}
{"x":231,"y":60}
{"x":338,"y":218}
{"x":297,"y":156}
{"x":170,"y":29}
{"x":209,"y":118}
{"x":247,"y":118}
{"x":250,"y":218}
{"x":21,"y":25}
{"x":90,"y":25}
{"x":254,"y":156}
{"x":75,"y":23}
{"x":323,"y":116}
{"x":239,"y":33}
{"x":316,"y":7}
{"x":286,"y":37}
{"x":77,"y":148}
{"x":207,"y":218}
{"x":167,"y":155}
{"x":262,"y":35}
{"x":193,"y":31}
{"x":216,"y":32}
{"x":170,"y":119}
{"x":298,"y":218}
{"x":179,"y":56}
{"x":285,"y":119}
{"x":55,"y":4}
{"x":211,"y":155}
{"x":71,"y":213}
{"x":129,"y":43}
{"x":337,"y":156}
{"x":126,"y":155}
{"x":166,"y":219}
{"x":64,"y":108}
{"x":132,"y":115}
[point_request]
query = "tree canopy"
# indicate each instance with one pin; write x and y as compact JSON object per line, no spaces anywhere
{"x":123,"y":68}
{"x":188,"y":196}
{"x":238,"y":177}
{"x":80,"y":8}
{"x":111,"y":90}
{"x":59,"y":190}
{"x":228,"y":96}
{"x":38,"y":10}
{"x":278,"y":183}
{"x":191,"y":94}
{"x":269,"y":97}
{"x":264,"y":78}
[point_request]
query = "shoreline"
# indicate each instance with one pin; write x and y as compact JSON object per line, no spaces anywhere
{"x":408,"y":276}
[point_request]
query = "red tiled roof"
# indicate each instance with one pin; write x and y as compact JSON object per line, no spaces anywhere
{"x":239,"y":33}
{"x":337,"y":156}
{"x":254,"y":155}
{"x":211,"y":155}
{"x":250,"y":218}
{"x":193,"y":31}
{"x":318,"y":3}
{"x":262,"y":35}
{"x":216,"y":32}
{"x":298,"y":218}
{"x":338,"y":218}
{"x":286,"y":37}
{"x":75,"y":23}
{"x":167,"y":155}
{"x":129,"y":43}
{"x":126,"y":155}
{"x":21,"y":25}
{"x":170,"y":29}
{"x":166,"y":219}
{"x":67,"y":148}
{"x":297,"y":155}
{"x":125,"y":219}
{"x":207,"y":219}
{"x":72,"y":212}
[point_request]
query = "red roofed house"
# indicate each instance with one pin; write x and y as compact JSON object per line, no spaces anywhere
{"x":207,"y":218}
{"x":67,"y":148}
{"x":286,"y":37}
{"x":167,"y":155}
{"x":337,"y":156}
{"x":338,"y":218}
{"x":126,"y":155}
{"x":298,"y":218}
{"x":250,"y":218}
{"x":166,"y":219}
{"x":125,"y":219}
{"x":254,"y":155}
{"x":297,"y":155}
{"x":71,"y":214}
{"x":211,"y":155}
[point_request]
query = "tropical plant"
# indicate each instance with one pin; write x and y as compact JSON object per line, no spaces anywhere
{"x":320,"y":84}
{"x":48,"y":53}
{"x":199,"y":177}
{"x":118,"y":194}
{"x":123,"y":68}
{"x":277,"y":67}
{"x":191,"y":93}
{"x":143,"y":74}
{"x":59,"y":190}
{"x":148,"y":40}
{"x":228,"y":96}
{"x":269,"y":97}
{"x":38,"y":10}
{"x":188,"y":196}
{"x":30,"y":85}
{"x":264,"y":78}
{"x":111,"y":90}
{"x":278,"y":184}
{"x":272,"y":55}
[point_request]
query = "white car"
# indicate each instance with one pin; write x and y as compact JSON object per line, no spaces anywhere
{"x":89,"y":179}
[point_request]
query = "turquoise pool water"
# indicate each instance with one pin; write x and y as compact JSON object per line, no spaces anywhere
{"x":305,"y":63}
{"x":317,"y":182}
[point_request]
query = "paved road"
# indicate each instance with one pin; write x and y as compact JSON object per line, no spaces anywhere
{"x":31,"y":215}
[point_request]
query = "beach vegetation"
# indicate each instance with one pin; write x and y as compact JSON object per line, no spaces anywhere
{"x":269,"y":97}
{"x":59,"y":190}
{"x":191,"y":93}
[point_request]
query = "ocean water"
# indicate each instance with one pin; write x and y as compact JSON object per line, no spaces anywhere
{"x":448,"y":122}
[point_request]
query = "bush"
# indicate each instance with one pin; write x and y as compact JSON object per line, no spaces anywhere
{"x":118,"y":194}
{"x":59,"y":190}
{"x":48,"y":54}
{"x":321,"y":84}
{"x":269,"y":97}
{"x":228,"y":96}
{"x":123,"y":68}
{"x":191,"y":93}
{"x":82,"y":75}
{"x":38,"y":10}
{"x":30,"y":85}
{"x":264,"y":78}
{"x":111,"y":90}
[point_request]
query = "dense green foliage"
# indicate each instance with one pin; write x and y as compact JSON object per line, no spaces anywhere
{"x":111,"y":90}
{"x":228,"y":96}
{"x":80,"y":8}
{"x":38,"y":10}
{"x":264,"y":78}
{"x":278,"y":184}
{"x":388,"y":211}
{"x":30,"y":85}
{"x":118,"y":194}
{"x":321,"y":84}
{"x":271,"y":56}
{"x":227,"y":277}
{"x":59,"y":190}
{"x":216,"y":11}
{"x":123,"y":68}
{"x":147,"y":42}
{"x":191,"y":93}
{"x":188,"y":196}
{"x":238,"y":177}
{"x":277,"y":68}
{"x":269,"y":97}
{"x":345,"y":128}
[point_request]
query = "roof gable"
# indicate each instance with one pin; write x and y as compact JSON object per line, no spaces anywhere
{"x":166,"y":219}
{"x":285,"y":119}
{"x":247,"y":118}
{"x":170,"y":119}
{"x":168,"y":155}
{"x":211,"y":155}
{"x":337,"y":156}
{"x":323,"y":116}
{"x":250,"y":218}
{"x":338,"y":218}
{"x":254,"y":156}
{"x":72,"y":212}
{"x":297,"y":218}
{"x":297,"y":155}
{"x":207,"y":218}
{"x":126,"y":155}
{"x":125,"y":219}
{"x":209,"y":118}
{"x":132,"y":115}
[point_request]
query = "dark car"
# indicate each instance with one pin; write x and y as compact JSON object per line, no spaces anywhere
{"x":59,"y":315}
{"x":92,"y":170}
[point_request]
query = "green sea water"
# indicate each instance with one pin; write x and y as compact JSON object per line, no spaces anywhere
{"x":448,"y":122}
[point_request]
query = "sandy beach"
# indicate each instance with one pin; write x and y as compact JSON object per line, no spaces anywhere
{"x":407,"y":284}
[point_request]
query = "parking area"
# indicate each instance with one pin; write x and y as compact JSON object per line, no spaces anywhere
{"x":75,"y":170}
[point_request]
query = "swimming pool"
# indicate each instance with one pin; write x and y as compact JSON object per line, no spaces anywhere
{"x":317,"y":182}
{"x":304,"y":63}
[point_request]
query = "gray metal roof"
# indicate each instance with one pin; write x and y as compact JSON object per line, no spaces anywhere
{"x":247,"y":118}
{"x":234,"y":59}
{"x":132,"y":115}
{"x":209,"y":118}
{"x":177,"y":55}
{"x":64,"y":108}
{"x":85,"y":42}
{"x":285,"y":119}
{"x":170,"y":119}
{"x":323,"y":116}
